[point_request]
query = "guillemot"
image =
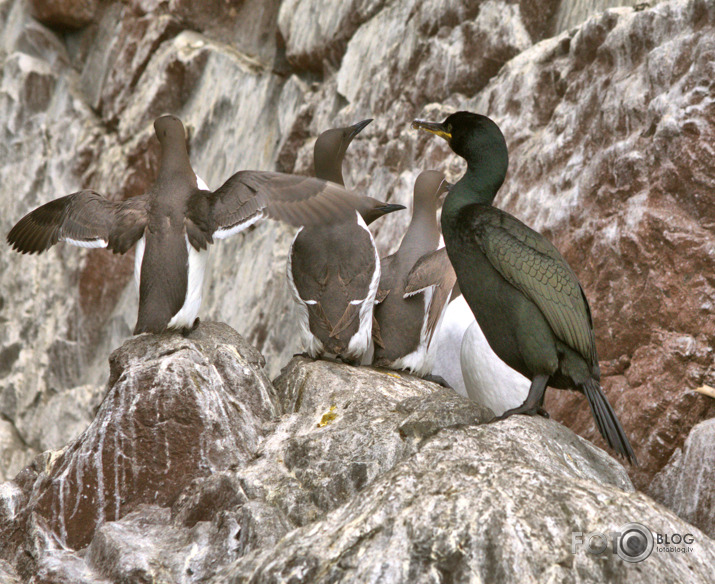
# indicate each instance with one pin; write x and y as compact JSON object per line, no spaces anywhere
{"x":524,"y":295}
{"x":175,"y":221}
{"x":416,"y":288}
{"x":333,"y":269}
{"x":466,"y":361}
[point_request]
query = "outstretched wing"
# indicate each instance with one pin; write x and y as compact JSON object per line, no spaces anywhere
{"x":432,"y":270}
{"x":251,"y":195}
{"x":530,"y":263}
{"x":85,"y":219}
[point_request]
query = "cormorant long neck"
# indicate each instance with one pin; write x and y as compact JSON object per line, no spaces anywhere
{"x":479,"y":184}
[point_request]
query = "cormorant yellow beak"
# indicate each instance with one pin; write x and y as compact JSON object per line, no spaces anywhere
{"x":433,"y":127}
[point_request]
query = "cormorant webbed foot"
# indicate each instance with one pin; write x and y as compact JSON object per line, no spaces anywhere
{"x":533,"y":403}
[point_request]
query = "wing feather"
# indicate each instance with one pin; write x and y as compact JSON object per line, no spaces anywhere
{"x":297,"y":200}
{"x":432,"y":270}
{"x":532,"y":264}
{"x":84,"y":218}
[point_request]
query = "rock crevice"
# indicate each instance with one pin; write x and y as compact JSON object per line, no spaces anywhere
{"x":198,"y":469}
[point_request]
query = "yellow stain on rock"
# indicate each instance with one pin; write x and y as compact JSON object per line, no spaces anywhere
{"x":328,"y":417}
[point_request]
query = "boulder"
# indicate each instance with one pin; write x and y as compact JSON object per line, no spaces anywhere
{"x":609,"y":126}
{"x":497,"y":502}
{"x":685,"y":483}
{"x":198,"y":469}
{"x":176,"y":409}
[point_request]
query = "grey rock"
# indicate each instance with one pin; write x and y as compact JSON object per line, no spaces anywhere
{"x":7,"y":574}
{"x":41,"y":111}
{"x":575,"y":12}
{"x":125,"y":44}
{"x":497,"y":502}
{"x":368,"y":475}
{"x":64,"y":415}
{"x":316,"y":33}
{"x":248,"y":25}
{"x":340,"y":431}
{"x":14,"y":454}
{"x":176,"y":408}
{"x":127,"y":550}
{"x":146,"y":545}
{"x":685,"y":483}
{"x":496,"y":27}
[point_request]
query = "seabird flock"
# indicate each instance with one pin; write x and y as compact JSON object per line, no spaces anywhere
{"x":533,"y":324}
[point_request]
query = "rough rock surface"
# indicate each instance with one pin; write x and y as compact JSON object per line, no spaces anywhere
{"x":64,"y":14}
{"x":609,"y":124}
{"x":367,"y":476}
{"x":685,"y":484}
{"x":13,"y":453}
{"x":176,"y":409}
{"x":444,"y":515}
{"x":574,"y":12}
{"x":614,"y":162}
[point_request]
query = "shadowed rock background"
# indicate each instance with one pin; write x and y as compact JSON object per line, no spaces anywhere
{"x":609,"y":118}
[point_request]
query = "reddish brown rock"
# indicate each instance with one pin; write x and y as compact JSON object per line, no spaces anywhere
{"x":124,"y":45}
{"x":64,"y":14}
{"x":610,"y":135}
{"x":176,"y":409}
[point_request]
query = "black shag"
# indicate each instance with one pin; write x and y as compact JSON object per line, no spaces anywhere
{"x":524,"y":295}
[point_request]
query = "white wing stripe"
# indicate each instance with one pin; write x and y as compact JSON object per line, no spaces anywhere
{"x":85,"y":242}
{"x":228,"y":232}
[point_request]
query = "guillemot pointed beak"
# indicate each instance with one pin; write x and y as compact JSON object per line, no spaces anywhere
{"x":437,"y":128}
{"x":390,"y":208}
{"x":355,"y":129}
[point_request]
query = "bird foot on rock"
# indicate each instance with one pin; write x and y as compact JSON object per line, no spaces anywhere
{"x":186,"y":331}
{"x":524,"y":411}
{"x":437,"y":379}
